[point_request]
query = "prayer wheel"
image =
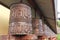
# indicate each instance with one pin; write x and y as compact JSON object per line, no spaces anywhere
{"x":37,"y":26}
{"x":20,"y":20}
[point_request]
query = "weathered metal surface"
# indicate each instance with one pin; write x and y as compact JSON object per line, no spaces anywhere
{"x":37,"y":26}
{"x":20,"y":19}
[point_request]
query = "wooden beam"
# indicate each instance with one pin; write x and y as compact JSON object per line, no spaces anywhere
{"x":4,"y":5}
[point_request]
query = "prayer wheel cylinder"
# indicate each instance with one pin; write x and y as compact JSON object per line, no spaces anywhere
{"x":37,"y":26}
{"x":20,"y":19}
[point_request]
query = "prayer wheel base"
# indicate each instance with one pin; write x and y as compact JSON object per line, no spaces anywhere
{"x":26,"y":37}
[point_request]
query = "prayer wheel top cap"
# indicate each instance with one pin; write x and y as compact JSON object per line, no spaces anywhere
{"x":20,"y":5}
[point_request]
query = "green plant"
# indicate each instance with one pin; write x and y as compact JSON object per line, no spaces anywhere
{"x":58,"y":23}
{"x":58,"y":36}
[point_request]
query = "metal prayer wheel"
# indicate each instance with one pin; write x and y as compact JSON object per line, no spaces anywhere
{"x":37,"y":26}
{"x":20,"y":20}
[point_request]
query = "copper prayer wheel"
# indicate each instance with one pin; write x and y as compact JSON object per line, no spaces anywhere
{"x":20,"y":20}
{"x":37,"y":26}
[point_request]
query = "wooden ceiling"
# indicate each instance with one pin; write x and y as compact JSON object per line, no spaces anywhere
{"x":45,"y":8}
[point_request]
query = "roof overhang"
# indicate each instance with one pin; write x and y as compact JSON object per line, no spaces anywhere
{"x":46,"y":7}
